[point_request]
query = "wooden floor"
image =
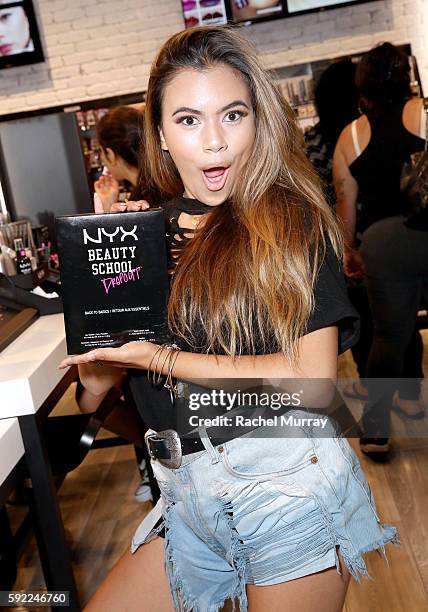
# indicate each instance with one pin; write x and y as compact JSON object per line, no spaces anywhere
{"x":100,"y":515}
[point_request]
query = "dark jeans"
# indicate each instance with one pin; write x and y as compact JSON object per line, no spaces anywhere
{"x":357,"y":293}
{"x":396,"y":266}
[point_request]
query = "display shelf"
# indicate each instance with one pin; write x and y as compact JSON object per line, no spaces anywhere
{"x":298,"y":82}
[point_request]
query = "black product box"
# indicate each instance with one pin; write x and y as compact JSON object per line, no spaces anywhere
{"x":114,"y":278}
{"x":29,"y":281}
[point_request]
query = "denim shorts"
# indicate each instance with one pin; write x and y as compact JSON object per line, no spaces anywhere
{"x":261,"y":511}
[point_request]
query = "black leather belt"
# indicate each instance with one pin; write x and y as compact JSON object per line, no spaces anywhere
{"x":168,"y":448}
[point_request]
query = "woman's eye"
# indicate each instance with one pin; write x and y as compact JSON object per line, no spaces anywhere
{"x":188,"y":120}
{"x":233,"y":116}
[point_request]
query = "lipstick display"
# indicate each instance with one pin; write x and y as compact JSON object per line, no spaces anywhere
{"x":203,"y":12}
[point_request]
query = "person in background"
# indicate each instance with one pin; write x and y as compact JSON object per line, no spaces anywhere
{"x":120,"y":134}
{"x":367,"y":166}
{"x":336,"y":102}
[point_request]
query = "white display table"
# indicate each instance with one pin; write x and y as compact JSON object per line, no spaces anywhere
{"x":30,"y":384}
{"x":29,"y":366}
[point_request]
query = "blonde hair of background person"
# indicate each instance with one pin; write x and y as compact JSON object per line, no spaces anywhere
{"x":209,"y":102}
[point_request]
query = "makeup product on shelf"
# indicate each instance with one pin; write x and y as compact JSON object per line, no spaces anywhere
{"x":23,"y":262}
{"x":114,"y":278}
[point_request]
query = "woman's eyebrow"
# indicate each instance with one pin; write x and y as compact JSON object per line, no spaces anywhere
{"x":187,"y":109}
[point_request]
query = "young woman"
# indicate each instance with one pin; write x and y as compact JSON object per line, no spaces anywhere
{"x":367,"y":165}
{"x":120,"y":133}
{"x":257,"y":292}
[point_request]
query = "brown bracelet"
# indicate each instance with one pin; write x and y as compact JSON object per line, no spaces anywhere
{"x":156,"y":375}
{"x":159,"y":349}
{"x":155,"y":367}
{"x":169,"y":385}
{"x":159,"y":378}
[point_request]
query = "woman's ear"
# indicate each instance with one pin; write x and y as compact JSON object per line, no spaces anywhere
{"x":110,"y":156}
{"x":163,"y":142}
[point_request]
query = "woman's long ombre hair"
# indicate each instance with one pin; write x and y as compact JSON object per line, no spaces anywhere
{"x":244,"y":283}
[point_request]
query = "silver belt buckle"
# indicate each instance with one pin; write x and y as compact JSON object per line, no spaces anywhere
{"x":172,"y":443}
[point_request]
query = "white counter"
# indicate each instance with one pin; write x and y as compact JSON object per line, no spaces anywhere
{"x":29,"y":366}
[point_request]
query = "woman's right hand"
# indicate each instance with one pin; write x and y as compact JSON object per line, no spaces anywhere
{"x":130,"y":206}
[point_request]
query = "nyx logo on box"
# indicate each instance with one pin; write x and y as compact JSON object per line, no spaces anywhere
{"x":100,"y":231}
{"x":114,"y":260}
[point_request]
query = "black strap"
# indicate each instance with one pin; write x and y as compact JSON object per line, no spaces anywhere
{"x":159,"y":446}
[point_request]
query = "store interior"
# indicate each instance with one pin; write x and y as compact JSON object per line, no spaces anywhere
{"x":80,"y":60}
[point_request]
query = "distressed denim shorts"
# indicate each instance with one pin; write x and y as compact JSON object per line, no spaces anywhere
{"x":262,"y":511}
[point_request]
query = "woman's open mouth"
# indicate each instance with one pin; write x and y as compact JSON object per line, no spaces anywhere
{"x":215,"y":177}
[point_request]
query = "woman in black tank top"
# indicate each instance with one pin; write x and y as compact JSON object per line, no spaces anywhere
{"x":368,"y":164}
{"x":378,"y":168}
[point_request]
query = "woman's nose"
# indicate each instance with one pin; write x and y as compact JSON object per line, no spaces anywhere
{"x":213,"y":138}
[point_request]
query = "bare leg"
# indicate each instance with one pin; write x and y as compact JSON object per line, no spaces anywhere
{"x":86,"y":401}
{"x":324,"y":591}
{"x":137,"y":583}
{"x":124,"y":422}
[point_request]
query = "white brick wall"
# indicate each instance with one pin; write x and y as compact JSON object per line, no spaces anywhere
{"x":104,"y":47}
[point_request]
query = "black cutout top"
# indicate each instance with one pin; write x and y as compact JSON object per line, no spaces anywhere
{"x":178,"y":237}
{"x":332,"y":307}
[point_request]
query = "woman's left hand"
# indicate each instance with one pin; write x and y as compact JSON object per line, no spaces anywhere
{"x":130,"y":355}
{"x":107,"y":189}
{"x":353,"y":263}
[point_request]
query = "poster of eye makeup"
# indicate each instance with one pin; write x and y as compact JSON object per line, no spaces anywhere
{"x":19,"y":34}
{"x":204,"y":12}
